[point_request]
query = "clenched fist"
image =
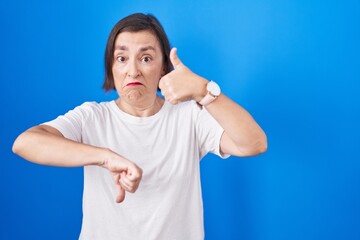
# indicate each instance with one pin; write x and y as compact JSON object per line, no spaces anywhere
{"x":127,"y":175}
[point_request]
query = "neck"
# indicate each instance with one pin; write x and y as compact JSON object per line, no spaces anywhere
{"x":140,"y":109}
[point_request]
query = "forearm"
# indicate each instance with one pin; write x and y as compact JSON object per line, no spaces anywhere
{"x":47,"y":146}
{"x":43,"y":147}
{"x":242,"y":137}
{"x":238,"y":125}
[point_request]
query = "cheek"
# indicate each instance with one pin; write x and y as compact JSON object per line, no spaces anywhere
{"x":118,"y":78}
{"x":118,"y":73}
{"x":156,"y":76}
{"x":115,"y":70}
{"x":158,"y":72}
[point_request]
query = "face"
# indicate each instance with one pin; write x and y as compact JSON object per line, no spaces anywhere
{"x":138,"y":65}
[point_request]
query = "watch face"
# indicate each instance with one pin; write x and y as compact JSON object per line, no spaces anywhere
{"x":213,"y":88}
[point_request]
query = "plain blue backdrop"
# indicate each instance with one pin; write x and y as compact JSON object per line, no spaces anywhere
{"x":294,"y":65}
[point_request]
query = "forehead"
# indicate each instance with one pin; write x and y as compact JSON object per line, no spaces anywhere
{"x":137,"y":39}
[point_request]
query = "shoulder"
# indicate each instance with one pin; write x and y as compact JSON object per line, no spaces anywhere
{"x":184,"y":111}
{"x":92,"y":109}
{"x":188,"y":106}
{"x":95,"y":106}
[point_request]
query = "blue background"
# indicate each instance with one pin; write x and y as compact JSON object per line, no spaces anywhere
{"x":294,"y":65}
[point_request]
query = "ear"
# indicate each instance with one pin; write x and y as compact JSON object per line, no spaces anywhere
{"x":163,"y":71}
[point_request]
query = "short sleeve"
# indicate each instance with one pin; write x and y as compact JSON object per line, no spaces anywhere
{"x":209,"y":133}
{"x":71,"y":124}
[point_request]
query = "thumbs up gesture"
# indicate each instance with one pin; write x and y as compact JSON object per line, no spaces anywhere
{"x":182,"y":84}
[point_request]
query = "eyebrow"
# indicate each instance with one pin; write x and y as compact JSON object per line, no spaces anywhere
{"x":143,"y":49}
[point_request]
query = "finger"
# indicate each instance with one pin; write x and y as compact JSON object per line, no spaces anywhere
{"x":164,"y":83}
{"x":130,"y":185}
{"x":125,"y":182}
{"x":173,"y":101}
{"x":161,"y":83}
{"x":116,"y":177}
{"x":121,"y":191}
{"x":121,"y":195}
{"x":175,"y":60}
{"x":134,"y":173}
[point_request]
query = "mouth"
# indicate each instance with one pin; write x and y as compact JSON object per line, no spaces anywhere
{"x":131,"y":84}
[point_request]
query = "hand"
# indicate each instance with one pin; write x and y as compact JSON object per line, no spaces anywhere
{"x":182,"y":84}
{"x":127,"y":175}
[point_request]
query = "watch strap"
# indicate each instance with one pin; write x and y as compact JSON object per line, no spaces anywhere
{"x":207,"y":99}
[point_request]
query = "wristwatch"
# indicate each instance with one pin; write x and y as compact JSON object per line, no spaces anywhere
{"x":213,"y":92}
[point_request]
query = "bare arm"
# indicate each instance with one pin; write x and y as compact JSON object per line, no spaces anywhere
{"x":242,"y":135}
{"x":46,"y":145}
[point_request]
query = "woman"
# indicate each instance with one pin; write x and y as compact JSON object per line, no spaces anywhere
{"x":146,"y":145}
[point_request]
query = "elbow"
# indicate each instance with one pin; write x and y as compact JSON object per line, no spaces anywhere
{"x":22,"y":143}
{"x":15,"y":148}
{"x":257,"y":147}
{"x":261,"y":146}
{"x":17,"y":145}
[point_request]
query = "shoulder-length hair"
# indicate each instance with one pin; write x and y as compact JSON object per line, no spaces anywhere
{"x":135,"y":23}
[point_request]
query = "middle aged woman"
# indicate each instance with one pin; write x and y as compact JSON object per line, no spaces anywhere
{"x":141,"y":137}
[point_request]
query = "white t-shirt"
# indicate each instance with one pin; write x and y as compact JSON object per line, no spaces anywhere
{"x":167,"y":146}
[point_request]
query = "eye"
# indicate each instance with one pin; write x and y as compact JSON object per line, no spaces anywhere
{"x":121,"y":59}
{"x":146,"y":59}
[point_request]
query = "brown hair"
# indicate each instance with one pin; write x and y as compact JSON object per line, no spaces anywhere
{"x":135,"y":23}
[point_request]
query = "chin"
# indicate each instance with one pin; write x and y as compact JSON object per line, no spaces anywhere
{"x":134,"y":95}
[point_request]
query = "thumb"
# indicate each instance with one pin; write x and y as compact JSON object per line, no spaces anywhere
{"x":121,"y":191}
{"x":121,"y":195}
{"x":175,"y":60}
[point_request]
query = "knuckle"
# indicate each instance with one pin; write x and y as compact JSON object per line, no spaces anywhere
{"x":135,"y":176}
{"x":171,"y":90}
{"x":167,"y":82}
{"x":175,"y":96}
{"x":161,"y":83}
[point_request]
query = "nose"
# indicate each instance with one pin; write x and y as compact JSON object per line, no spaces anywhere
{"x":133,"y":69}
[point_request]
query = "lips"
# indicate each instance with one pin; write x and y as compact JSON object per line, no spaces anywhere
{"x":134,"y":84}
